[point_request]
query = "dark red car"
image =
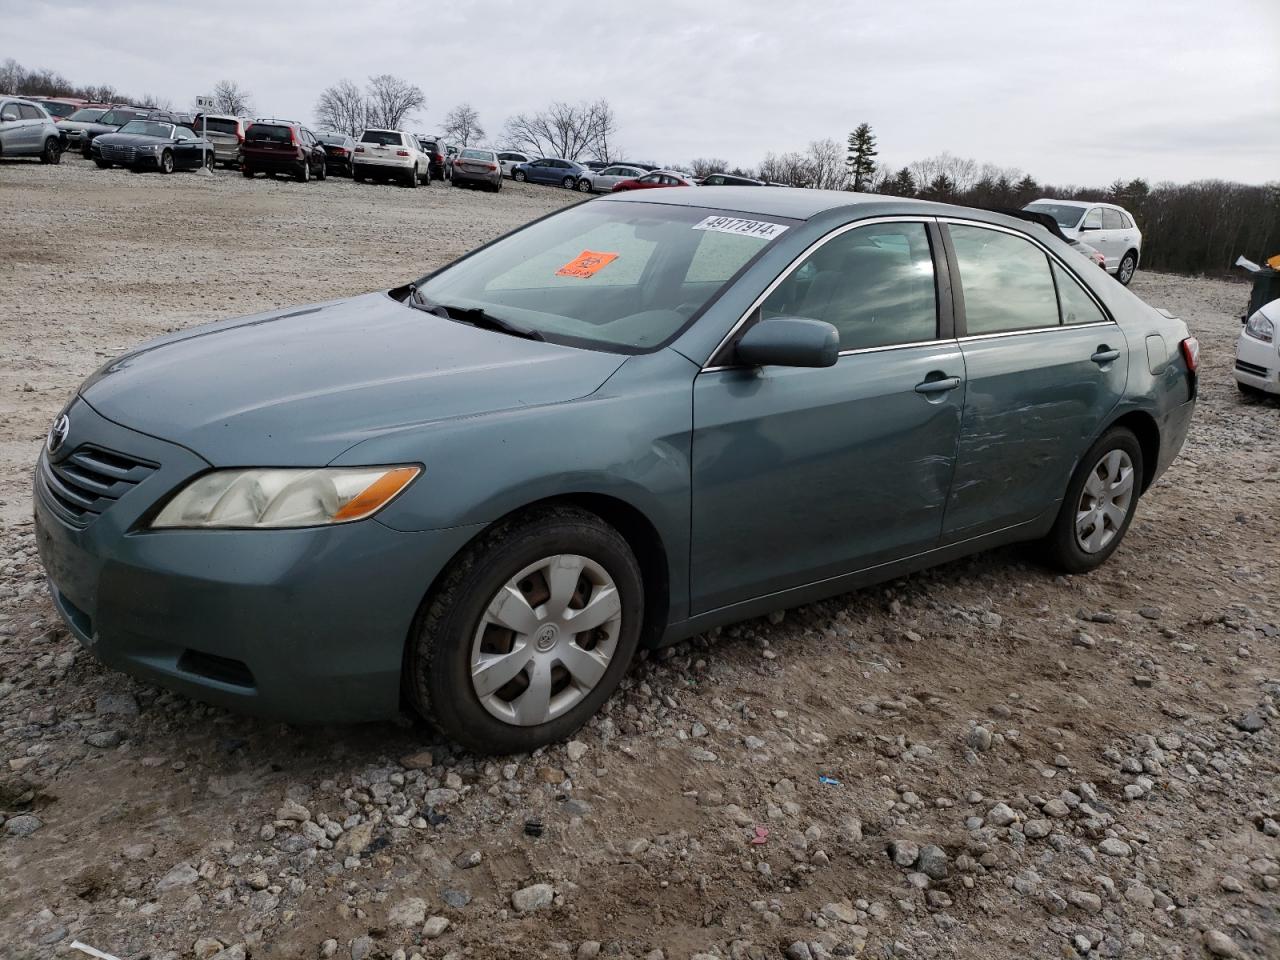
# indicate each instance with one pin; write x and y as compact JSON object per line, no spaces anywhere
{"x":282,"y":146}
{"x":659,"y":178}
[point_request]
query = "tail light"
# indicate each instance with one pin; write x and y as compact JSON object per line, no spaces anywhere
{"x":439,"y":158}
{"x":1191,"y":353}
{"x":293,"y":137}
{"x":402,"y":153}
{"x":491,"y":166}
{"x":359,"y":149}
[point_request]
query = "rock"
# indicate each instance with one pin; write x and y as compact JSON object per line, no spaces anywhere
{"x":257,"y":880}
{"x":552,"y":775}
{"x":1001,"y":815}
{"x":422,"y":760}
{"x":294,"y":811}
{"x":1231,"y":884}
{"x":141,"y":851}
{"x":361,"y":947}
{"x":206,"y":947}
{"x":904,"y":852}
{"x":799,"y":950}
{"x":588,"y":950}
{"x":1082,"y":639}
{"x":455,"y":898}
{"x":1090,"y":903}
{"x":181,"y":875}
{"x":1037,"y":829}
{"x":841,"y":913}
{"x":1140,"y":894}
{"x":234,"y":952}
{"x":1251,"y":722}
{"x":636,"y":847}
{"x":576,"y":750}
{"x":932,"y":862}
{"x":104,"y":739}
{"x":408,"y":913}
{"x":1219,"y":944}
{"x":23,"y":825}
{"x":116,"y":705}
{"x":1115,"y":847}
{"x":355,"y":840}
{"x":328,"y":948}
{"x":534,"y":897}
{"x":468,"y":859}
{"x":441,"y":797}
{"x":979,"y":739}
{"x":1057,"y":809}
{"x":435,"y":927}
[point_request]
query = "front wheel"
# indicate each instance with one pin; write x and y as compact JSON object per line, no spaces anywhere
{"x":1099,"y":505}
{"x":210,"y":161}
{"x":519,"y":176}
{"x":52,"y":152}
{"x":1128,"y":265}
{"x":528,"y":632}
{"x":584,"y":186}
{"x":247,"y":172}
{"x":166,"y":162}
{"x":567,"y":183}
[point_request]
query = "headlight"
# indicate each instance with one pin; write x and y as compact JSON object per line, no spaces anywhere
{"x":1260,"y":328}
{"x":276,"y":498}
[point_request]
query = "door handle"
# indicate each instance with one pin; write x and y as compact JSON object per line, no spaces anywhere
{"x":1104,"y":354}
{"x":944,"y":385}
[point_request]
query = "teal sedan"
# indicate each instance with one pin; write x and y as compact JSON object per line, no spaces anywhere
{"x":649,"y":414}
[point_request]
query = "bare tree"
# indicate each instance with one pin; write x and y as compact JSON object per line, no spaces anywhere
{"x":827,"y":167}
{"x":791,"y":169}
{"x":155,"y":102}
{"x":958,"y":173}
{"x":565,"y":130}
{"x":231,"y":98}
{"x":705,"y":166}
{"x":342,"y":108}
{"x":462,"y":125}
{"x":391,"y":100}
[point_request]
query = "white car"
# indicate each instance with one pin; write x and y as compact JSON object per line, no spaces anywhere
{"x":1258,"y":352}
{"x":509,"y":158}
{"x":603,"y":181}
{"x":390,"y":155}
{"x":1105,"y":226}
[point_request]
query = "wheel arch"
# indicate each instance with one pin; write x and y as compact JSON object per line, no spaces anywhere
{"x":1143,"y":426}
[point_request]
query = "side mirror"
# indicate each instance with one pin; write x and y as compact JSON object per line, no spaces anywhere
{"x":1085,"y":226}
{"x":789,"y":342}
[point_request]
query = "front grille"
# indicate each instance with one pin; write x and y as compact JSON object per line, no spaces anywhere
{"x":87,"y":483}
{"x":122,"y":154}
{"x":1252,"y":368}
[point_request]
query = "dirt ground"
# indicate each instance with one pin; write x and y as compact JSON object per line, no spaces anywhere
{"x":1022,"y":765}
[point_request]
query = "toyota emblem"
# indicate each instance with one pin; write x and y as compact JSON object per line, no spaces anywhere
{"x":58,"y":433}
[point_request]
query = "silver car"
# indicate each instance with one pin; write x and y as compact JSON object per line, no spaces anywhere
{"x":226,"y":133}
{"x":27,"y":130}
{"x":479,"y":167}
{"x":602,"y":181}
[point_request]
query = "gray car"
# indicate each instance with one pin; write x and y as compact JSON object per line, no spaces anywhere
{"x":27,"y":130}
{"x":476,"y":167}
{"x":602,"y":181}
{"x":633,"y":420}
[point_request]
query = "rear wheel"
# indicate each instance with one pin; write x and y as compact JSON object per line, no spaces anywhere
{"x":166,"y":162}
{"x":411,"y":179}
{"x":103,"y":164}
{"x":567,"y":183}
{"x":1128,"y":266}
{"x":528,"y":631}
{"x":247,"y":172}
{"x":1099,"y":505}
{"x":584,"y":185}
{"x":519,"y":176}
{"x":210,"y":161}
{"x":357,"y":174}
{"x":52,"y":152}
{"x":321,"y":172}
{"x":304,"y":172}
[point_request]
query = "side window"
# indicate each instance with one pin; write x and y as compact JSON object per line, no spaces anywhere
{"x":1093,"y":219}
{"x":29,"y":112}
{"x":1005,"y":280}
{"x":875,"y":284}
{"x":1111,"y":220}
{"x":1077,"y":306}
{"x":1126,"y":220}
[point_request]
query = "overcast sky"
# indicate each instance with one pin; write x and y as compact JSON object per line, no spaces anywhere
{"x":1082,"y":91}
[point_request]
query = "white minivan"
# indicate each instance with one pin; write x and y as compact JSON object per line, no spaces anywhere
{"x":1104,"y":226}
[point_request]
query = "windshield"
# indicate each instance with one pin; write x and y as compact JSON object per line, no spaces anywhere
{"x":86,"y":115}
{"x":388,"y":138}
{"x":147,"y":128}
{"x":1067,"y":216}
{"x":625,"y":277}
{"x":337,"y":139}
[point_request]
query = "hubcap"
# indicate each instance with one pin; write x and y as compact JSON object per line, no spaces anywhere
{"x":1126,"y":269}
{"x":1105,"y":501}
{"x":545,"y":640}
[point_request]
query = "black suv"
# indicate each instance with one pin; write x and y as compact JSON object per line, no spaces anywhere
{"x":435,"y":150}
{"x":282,"y":146}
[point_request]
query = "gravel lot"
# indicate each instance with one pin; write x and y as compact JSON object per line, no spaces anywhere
{"x":1026,"y":765}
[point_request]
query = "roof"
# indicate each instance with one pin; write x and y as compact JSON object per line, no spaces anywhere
{"x":793,"y":202}
{"x":1078,"y":203}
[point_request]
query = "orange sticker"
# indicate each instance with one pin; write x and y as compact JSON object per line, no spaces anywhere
{"x":586,"y":264}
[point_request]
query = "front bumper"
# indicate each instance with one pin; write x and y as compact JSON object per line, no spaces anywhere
{"x":299,"y":625}
{"x":1257,"y":364}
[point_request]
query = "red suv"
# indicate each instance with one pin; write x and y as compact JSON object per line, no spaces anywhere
{"x":281,"y":146}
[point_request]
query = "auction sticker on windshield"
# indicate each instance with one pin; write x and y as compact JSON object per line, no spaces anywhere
{"x":586,"y":264}
{"x":744,"y":228}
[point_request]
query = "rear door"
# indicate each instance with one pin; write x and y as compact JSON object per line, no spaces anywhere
{"x":32,"y":127}
{"x":1045,"y":366}
{"x":800,"y":475}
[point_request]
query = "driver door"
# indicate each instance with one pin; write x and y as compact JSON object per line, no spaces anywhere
{"x":801,"y":475}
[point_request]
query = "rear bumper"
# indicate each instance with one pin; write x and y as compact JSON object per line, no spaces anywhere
{"x":462,"y":176}
{"x":271,"y":162}
{"x":299,"y":625}
{"x":1257,"y":364}
{"x":401,"y":164}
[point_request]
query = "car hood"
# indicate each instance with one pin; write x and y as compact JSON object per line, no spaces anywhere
{"x":130,"y":140}
{"x":92,"y":126}
{"x":297,"y":387}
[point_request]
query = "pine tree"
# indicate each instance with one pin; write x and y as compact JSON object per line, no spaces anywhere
{"x":904,"y":183}
{"x":1026,"y":190}
{"x":940,"y":188}
{"x":862,"y":157}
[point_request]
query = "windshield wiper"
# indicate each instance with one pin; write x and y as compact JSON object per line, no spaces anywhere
{"x":474,"y":316}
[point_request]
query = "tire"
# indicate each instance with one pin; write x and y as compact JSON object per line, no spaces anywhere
{"x":357,"y":174}
{"x":247,"y":173}
{"x":1128,"y":266}
{"x":166,"y":162}
{"x":322,"y":173}
{"x":103,"y":164}
{"x":584,"y":185}
{"x":84,"y":151}
{"x":1066,"y":547}
{"x":447,"y":633}
{"x":304,"y":172}
{"x":52,"y":152}
{"x":210,"y":161}
{"x":519,"y":176}
{"x":411,"y":181}
{"x":497,"y":187}
{"x":567,"y":183}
